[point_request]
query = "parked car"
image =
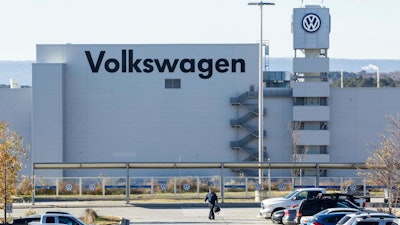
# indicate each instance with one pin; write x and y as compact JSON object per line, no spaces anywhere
{"x":278,"y":215}
{"x":271,"y":205}
{"x":307,"y":219}
{"x":373,"y":221}
{"x":350,"y":218}
{"x":358,"y":201}
{"x":57,"y":219}
{"x":26,"y":220}
{"x":327,"y":219}
{"x":289,"y":216}
{"x":309,"y":207}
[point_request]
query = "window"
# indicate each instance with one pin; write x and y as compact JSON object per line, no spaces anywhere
{"x":301,"y":195}
{"x":68,"y":221}
{"x":310,"y":101}
{"x":173,"y":83}
{"x":50,"y":220}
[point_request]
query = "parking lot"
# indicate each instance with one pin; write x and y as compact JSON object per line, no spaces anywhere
{"x":154,"y":213}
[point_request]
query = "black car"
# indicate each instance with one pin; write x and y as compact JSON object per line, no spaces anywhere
{"x":349,"y":197}
{"x":26,"y":220}
{"x":313,"y":206}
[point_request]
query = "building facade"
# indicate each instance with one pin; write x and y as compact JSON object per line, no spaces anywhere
{"x":193,"y":103}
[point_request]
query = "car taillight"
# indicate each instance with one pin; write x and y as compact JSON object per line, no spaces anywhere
{"x":286,"y":212}
{"x":298,"y":214}
{"x":317,"y":223}
{"x":364,"y":204}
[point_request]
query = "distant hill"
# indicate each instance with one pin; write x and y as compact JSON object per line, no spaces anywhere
{"x":348,"y":65}
{"x":21,"y":70}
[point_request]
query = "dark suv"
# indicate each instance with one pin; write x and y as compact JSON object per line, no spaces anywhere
{"x":313,"y":206}
{"x":26,"y":220}
{"x":349,"y":197}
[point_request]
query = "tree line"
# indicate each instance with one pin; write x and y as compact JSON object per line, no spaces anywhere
{"x":364,"y":79}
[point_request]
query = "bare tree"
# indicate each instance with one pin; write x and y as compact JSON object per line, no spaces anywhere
{"x":297,"y":153}
{"x":383,"y":166}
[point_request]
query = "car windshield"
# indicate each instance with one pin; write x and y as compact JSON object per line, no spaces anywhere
{"x":291,"y":194}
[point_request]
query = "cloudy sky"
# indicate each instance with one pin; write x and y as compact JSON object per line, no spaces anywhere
{"x":361,"y":29}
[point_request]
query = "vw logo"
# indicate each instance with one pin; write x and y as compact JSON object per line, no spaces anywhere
{"x":69,"y":187}
{"x":311,"y":23}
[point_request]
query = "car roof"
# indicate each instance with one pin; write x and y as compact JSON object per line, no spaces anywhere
{"x":338,"y":209}
{"x":326,"y":199}
{"x":57,"y":212}
{"x":375,"y":218}
{"x":368,"y":213}
{"x":342,"y":208}
{"x":330,"y":214}
{"x":310,"y":189}
{"x":27,"y":217}
{"x":363,"y":214}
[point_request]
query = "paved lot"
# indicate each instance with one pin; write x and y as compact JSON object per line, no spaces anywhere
{"x":183,"y":214}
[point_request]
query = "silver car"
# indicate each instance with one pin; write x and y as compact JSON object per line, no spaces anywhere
{"x":350,"y":218}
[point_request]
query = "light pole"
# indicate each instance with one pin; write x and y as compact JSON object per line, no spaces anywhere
{"x":269,"y":177}
{"x":260,"y":91}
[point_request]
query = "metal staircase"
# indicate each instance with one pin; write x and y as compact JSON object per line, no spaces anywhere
{"x":244,"y":100}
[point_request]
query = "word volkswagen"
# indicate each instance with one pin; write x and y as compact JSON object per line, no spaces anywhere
{"x":128,"y":64}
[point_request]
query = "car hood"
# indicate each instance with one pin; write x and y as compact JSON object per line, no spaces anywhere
{"x":272,"y":201}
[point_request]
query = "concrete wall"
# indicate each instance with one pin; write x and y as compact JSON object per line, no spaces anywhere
{"x":133,"y":117}
{"x":15,"y":109}
{"x":357,"y":118}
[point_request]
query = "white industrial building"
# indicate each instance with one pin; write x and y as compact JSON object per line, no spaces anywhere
{"x":192,"y":103}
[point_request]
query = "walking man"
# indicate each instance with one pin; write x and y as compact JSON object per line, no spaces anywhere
{"x":212,"y":199}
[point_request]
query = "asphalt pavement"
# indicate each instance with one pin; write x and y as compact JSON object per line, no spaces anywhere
{"x":152,"y":213}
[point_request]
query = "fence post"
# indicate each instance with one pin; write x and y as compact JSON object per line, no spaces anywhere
{"x":198,"y":186}
{"x":175,"y":186}
{"x":80,"y":186}
{"x":57,"y":184}
{"x":293,"y":182}
{"x":245,"y":186}
{"x":103,"y":186}
{"x":152,"y":186}
{"x":317,"y":177}
{"x":222,"y":184}
{"x":128,"y":184}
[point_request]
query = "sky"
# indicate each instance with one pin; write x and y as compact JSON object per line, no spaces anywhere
{"x":360,"y":29}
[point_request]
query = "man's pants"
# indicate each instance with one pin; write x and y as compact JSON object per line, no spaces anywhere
{"x":211,"y":213}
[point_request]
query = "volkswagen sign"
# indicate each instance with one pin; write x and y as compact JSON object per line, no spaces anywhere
{"x":311,"y":22}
